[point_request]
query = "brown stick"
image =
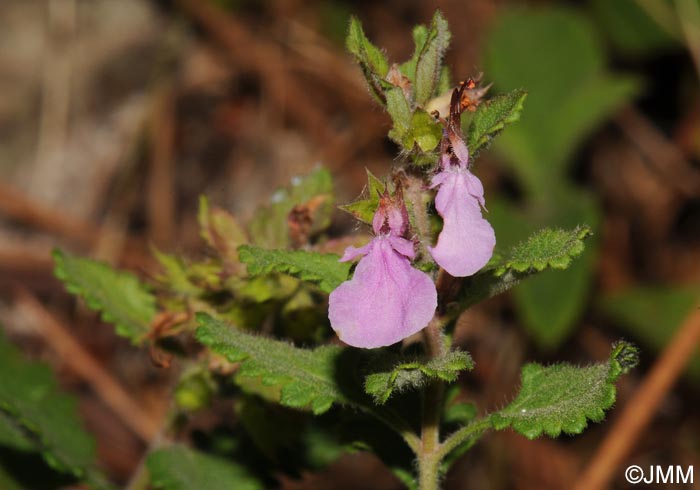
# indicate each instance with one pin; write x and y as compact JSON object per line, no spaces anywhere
{"x":660,"y":154}
{"x":107,"y":388}
{"x":265,"y":58}
{"x":640,"y":409}
{"x":160,"y":198}
{"x":16,"y":205}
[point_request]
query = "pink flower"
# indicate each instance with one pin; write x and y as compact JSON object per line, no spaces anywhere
{"x":467,"y":240}
{"x":387,"y":299}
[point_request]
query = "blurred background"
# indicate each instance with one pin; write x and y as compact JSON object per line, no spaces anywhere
{"x":116,"y":115}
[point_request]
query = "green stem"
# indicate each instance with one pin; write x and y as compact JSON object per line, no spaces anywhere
{"x":428,"y":459}
{"x":398,"y":424}
{"x":428,"y":474}
{"x":469,"y":434}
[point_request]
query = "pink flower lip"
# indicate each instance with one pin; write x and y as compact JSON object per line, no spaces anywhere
{"x":387,"y":299}
{"x":467,"y":240}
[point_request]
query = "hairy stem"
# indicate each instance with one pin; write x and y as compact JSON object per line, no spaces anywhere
{"x":428,"y":457}
{"x":466,"y":435}
{"x":418,"y":214}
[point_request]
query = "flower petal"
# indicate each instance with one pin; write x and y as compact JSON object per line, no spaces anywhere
{"x":386,"y":301}
{"x":354,"y":252}
{"x":402,"y":246}
{"x":467,"y":240}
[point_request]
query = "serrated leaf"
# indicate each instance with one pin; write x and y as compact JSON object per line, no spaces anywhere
{"x":372,"y":61}
{"x":364,"y":209}
{"x":269,"y":226}
{"x":551,"y":303}
{"x":500,"y":274}
{"x":548,"y":248}
{"x":562,"y":397}
{"x":429,"y":61}
{"x":396,"y":374}
{"x":321,"y":269}
{"x":40,"y":417}
{"x":181,"y":468}
{"x":491,"y":118}
{"x":307,"y":377}
{"x":120,"y":297}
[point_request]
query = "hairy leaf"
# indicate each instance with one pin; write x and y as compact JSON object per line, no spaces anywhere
{"x":37,"y":416}
{"x":372,"y":61}
{"x":562,"y":397}
{"x":553,"y":248}
{"x":491,"y":118}
{"x":400,"y":111}
{"x":322,"y":269}
{"x":306,"y":377}
{"x":551,"y":303}
{"x":420,"y":36}
{"x":530,"y":257}
{"x":120,"y":297}
{"x":429,"y":61}
{"x":395,"y":374}
{"x":181,"y":468}
{"x":364,"y":209}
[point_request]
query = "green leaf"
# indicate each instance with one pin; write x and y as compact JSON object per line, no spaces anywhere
{"x":429,"y":61}
{"x":306,"y":377}
{"x":35,"y":415}
{"x":364,"y":209}
{"x":633,"y":31}
{"x":425,"y":132}
{"x":566,"y":101}
{"x":530,"y":257}
{"x":397,"y":374}
{"x":272,"y":429}
{"x":400,"y":111}
{"x":372,"y":61}
{"x":551,"y":304}
{"x":12,"y":435}
{"x":220,"y":230}
{"x":652,"y":314}
{"x":195,"y":389}
{"x":562,"y":397}
{"x":269,"y":227}
{"x":321,"y":269}
{"x":548,"y":248}
{"x":175,"y":275}
{"x":411,"y":127}
{"x":491,"y":118}
{"x":420,"y":36}
{"x":121,"y":298}
{"x":181,"y":468}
